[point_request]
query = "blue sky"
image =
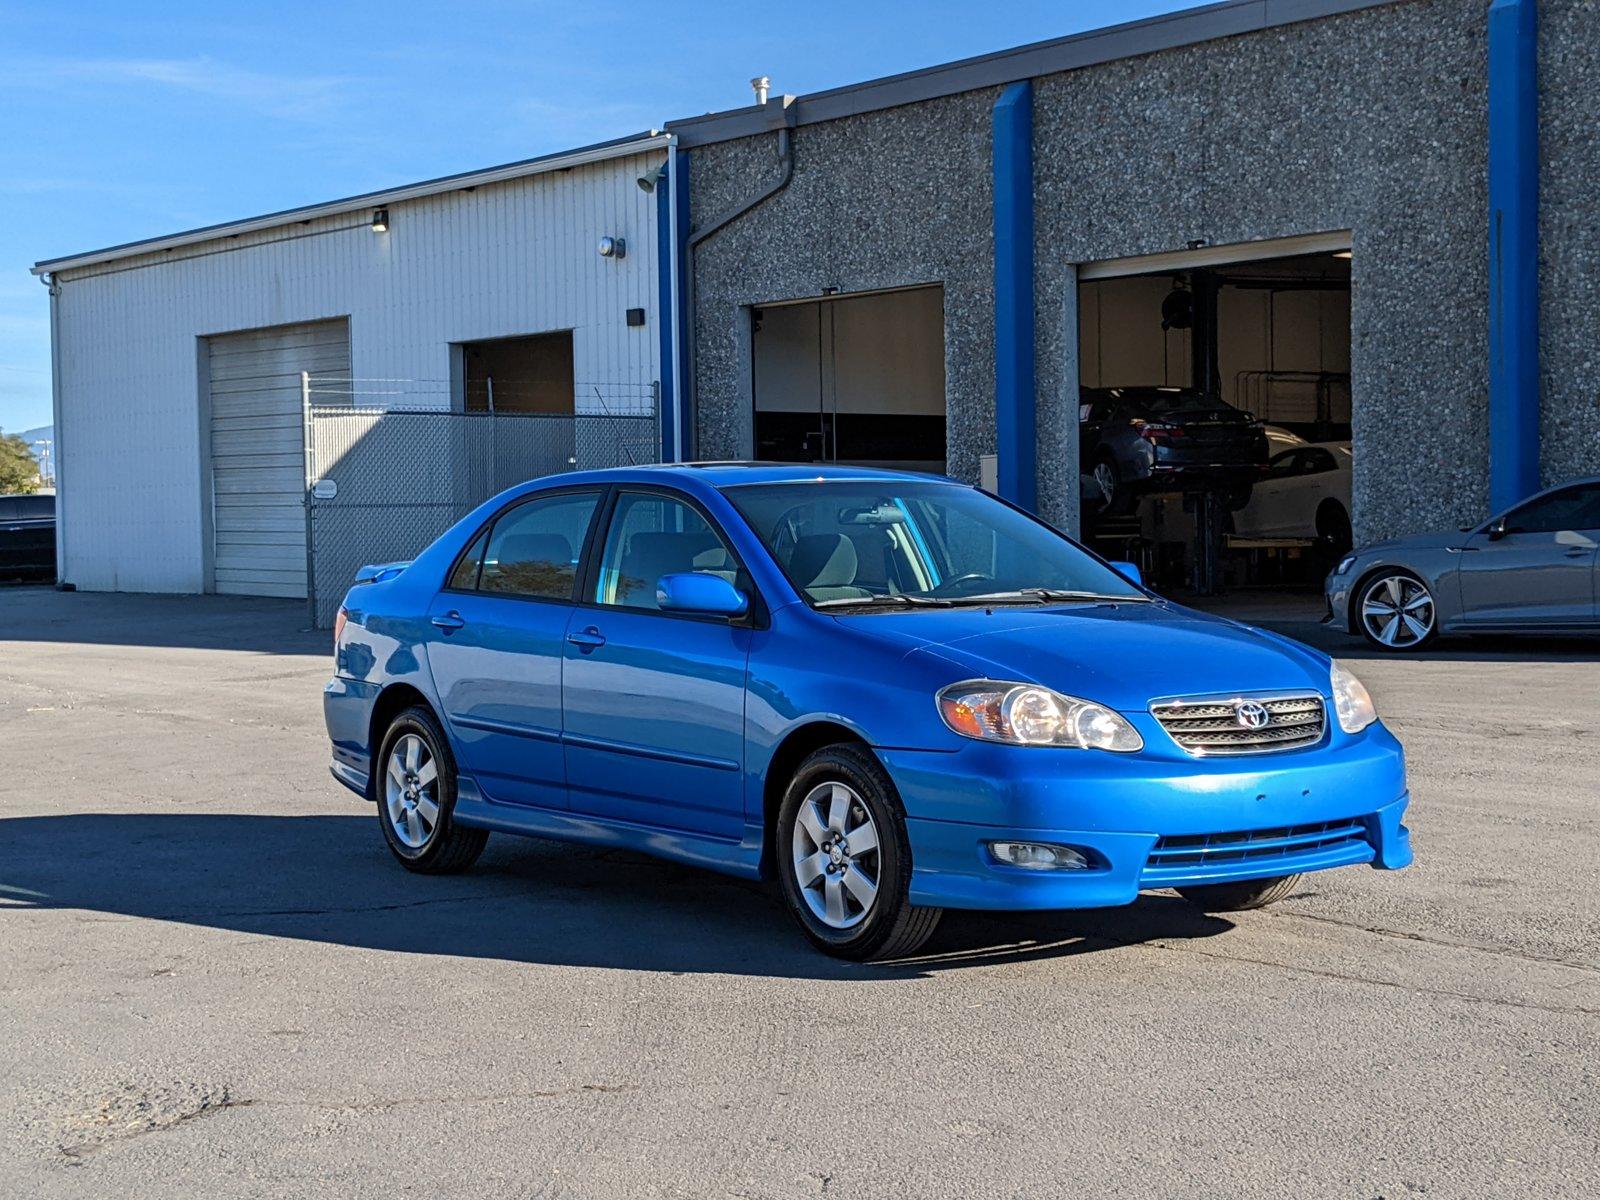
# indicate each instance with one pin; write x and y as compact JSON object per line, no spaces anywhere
{"x":121,"y":121}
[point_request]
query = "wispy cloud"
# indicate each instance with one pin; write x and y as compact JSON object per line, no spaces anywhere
{"x":273,"y":93}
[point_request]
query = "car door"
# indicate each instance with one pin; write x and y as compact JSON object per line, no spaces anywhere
{"x":1263,"y":516}
{"x":1316,"y":471}
{"x":653,"y":700}
{"x":495,"y":646}
{"x":1535,"y":565}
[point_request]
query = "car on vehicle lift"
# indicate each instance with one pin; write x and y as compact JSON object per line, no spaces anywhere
{"x":1133,"y":441}
{"x":891,"y":694}
{"x":1534,"y":568}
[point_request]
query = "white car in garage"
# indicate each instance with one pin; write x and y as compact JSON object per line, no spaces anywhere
{"x":1304,"y":494}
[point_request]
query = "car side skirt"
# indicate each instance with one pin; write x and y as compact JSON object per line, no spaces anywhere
{"x":741,"y":858}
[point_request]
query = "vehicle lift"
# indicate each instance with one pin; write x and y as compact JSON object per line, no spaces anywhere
{"x":1207,"y":505}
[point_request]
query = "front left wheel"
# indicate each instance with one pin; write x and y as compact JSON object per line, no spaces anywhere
{"x":844,"y":860}
{"x":416,"y":794}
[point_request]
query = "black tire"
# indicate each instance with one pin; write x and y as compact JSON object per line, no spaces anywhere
{"x":891,"y":927}
{"x":1380,"y":579}
{"x":1333,"y":529}
{"x":1236,"y":498}
{"x":448,"y":847}
{"x":1241,"y":896}
{"x":1118,"y":499}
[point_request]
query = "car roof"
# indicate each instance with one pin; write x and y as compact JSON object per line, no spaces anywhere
{"x":737,"y":474}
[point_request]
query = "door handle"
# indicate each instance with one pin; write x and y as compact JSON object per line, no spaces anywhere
{"x":1579,"y":551}
{"x":587,"y":639}
{"x":449,"y":622}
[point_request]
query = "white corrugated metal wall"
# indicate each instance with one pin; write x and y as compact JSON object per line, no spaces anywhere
{"x":504,"y":259}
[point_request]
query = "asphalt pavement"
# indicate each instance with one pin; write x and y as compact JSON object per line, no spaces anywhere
{"x":214,"y":981}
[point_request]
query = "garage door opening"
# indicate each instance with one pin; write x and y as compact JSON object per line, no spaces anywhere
{"x":851,"y":379}
{"x":1214,"y":421}
{"x":531,"y":374}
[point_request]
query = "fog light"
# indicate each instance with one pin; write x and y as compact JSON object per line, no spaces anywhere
{"x":1038,"y":856}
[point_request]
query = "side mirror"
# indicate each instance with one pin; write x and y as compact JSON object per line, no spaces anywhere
{"x":1129,"y":571}
{"x":701,"y":594}
{"x":1497,"y":530}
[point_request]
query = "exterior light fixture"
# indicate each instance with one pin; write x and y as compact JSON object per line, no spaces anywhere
{"x":647,"y":183}
{"x":1341,"y":254}
{"x":613,"y":247}
{"x":380,"y":220}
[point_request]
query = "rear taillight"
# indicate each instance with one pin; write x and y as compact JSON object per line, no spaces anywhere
{"x":1162,"y":433}
{"x":338,"y":627}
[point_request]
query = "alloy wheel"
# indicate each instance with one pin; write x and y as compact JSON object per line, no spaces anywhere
{"x":1397,"y":611}
{"x":411,"y":793}
{"x":836,"y":859}
{"x":1105,"y":478}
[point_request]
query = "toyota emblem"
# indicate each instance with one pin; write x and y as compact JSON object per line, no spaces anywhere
{"x":1251,"y":715}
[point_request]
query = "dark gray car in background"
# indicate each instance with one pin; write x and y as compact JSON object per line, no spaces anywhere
{"x":28,"y":537}
{"x":1534,"y":568}
{"x":1134,"y":441}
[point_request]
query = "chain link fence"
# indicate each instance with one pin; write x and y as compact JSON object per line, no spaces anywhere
{"x":383,"y":481}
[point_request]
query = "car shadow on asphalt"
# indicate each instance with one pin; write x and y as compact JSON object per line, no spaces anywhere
{"x":330,"y":879}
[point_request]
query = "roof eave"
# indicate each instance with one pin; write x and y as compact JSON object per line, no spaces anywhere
{"x":564,"y":160}
{"x":1133,"y":39}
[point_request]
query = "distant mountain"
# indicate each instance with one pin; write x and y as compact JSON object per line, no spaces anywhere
{"x":44,"y":433}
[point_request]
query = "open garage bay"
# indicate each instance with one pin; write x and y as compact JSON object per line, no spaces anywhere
{"x":215,"y":981}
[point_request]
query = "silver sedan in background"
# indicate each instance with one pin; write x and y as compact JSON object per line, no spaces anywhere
{"x":1532,"y":569}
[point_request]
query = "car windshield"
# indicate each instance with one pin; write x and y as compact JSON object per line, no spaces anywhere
{"x":909,"y":544}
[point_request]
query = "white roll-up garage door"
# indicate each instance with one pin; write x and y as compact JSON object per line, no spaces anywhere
{"x":258,"y":475}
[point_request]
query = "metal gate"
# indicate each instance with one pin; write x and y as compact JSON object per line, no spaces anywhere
{"x":382,"y":483}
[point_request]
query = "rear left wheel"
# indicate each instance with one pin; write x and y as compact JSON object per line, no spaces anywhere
{"x":844,"y":861}
{"x":416,"y":794}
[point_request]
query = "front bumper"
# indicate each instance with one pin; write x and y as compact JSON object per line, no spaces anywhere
{"x":1336,"y":591}
{"x":1329,"y":806}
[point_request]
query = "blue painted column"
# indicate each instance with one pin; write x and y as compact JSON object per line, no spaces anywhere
{"x":1513,"y":252}
{"x":1015,"y":416}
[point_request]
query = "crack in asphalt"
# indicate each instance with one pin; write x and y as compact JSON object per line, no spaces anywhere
{"x":1445,"y":943}
{"x":606,"y":1089}
{"x":1324,"y":973}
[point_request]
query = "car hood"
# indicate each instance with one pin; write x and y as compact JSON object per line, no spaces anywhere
{"x":1122,"y":655}
{"x":1417,"y":541}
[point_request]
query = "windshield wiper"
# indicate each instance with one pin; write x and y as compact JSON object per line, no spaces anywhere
{"x":1046,"y":595}
{"x":898,"y":598}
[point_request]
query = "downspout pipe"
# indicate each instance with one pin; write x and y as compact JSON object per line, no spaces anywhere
{"x":1513,"y":252}
{"x":50,"y":281}
{"x":784,"y":121}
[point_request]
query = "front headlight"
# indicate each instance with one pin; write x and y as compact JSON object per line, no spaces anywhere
{"x":1024,"y":714}
{"x":1351,"y":701}
{"x":1345,"y":563}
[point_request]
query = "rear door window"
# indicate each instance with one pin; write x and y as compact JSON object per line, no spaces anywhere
{"x":533,"y":549}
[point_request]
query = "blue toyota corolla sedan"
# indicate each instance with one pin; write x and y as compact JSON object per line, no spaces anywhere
{"x":891,"y":694}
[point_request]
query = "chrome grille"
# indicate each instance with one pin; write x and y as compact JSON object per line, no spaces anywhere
{"x":1209,"y":727}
